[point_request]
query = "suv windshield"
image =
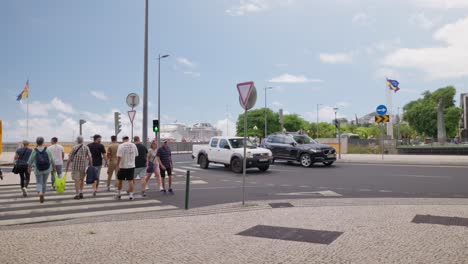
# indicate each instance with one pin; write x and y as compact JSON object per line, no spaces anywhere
{"x":302,"y":139}
{"x":239,"y":143}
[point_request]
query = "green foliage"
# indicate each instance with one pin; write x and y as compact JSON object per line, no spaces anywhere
{"x":405,"y":130}
{"x":294,"y":123}
{"x":421,"y":114}
{"x":257,"y":118}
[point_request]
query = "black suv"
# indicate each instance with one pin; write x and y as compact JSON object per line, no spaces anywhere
{"x":299,"y":147}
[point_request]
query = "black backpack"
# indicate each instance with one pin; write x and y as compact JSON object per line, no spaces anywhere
{"x":42,"y":160}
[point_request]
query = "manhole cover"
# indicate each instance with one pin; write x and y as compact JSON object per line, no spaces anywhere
{"x":440,"y":220}
{"x":281,"y":205}
{"x":292,"y":234}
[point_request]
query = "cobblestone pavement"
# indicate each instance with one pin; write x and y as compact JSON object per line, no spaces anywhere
{"x":373,"y":232}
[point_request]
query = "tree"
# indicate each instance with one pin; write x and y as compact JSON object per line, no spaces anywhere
{"x":256,"y":118}
{"x":294,"y":123}
{"x":421,"y":114}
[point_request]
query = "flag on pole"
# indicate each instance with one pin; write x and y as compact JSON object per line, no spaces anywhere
{"x":393,"y":85}
{"x":24,"y":94}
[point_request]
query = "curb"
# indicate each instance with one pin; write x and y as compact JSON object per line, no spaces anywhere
{"x":401,"y":162}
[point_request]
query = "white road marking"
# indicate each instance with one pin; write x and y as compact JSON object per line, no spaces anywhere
{"x":385,"y":191}
{"x":185,"y":162}
{"x":20,"y":205}
{"x":183,"y":171}
{"x":423,"y":176}
{"x":365,"y":190}
{"x":304,"y":186}
{"x":31,"y":220}
{"x":190,"y":168}
{"x":327,"y":193}
{"x":77,"y":207}
{"x":34,"y":196}
{"x":192,"y":182}
{"x":403,"y":165}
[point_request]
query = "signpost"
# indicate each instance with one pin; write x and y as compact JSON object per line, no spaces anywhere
{"x":132,"y":101}
{"x":247,"y":100}
{"x":382,"y":118}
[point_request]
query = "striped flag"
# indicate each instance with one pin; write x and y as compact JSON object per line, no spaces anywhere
{"x":393,"y":85}
{"x":24,"y":94}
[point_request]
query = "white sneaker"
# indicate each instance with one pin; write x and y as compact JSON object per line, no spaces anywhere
{"x":147,"y":188}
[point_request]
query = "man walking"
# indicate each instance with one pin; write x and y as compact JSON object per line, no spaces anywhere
{"x":43,"y":162}
{"x":98,"y":153}
{"x":81,"y":157}
{"x":140,"y":160}
{"x":21,"y":160}
{"x":58,"y":155}
{"x":126,"y":154}
{"x":112,"y":160}
{"x":165,"y":165}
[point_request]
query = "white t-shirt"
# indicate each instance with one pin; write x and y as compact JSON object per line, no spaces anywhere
{"x":57,"y":151}
{"x":127,"y":152}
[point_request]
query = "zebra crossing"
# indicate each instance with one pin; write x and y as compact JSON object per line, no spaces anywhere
{"x":17,"y":210}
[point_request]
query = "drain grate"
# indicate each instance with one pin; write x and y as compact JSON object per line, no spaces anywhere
{"x":440,"y":220}
{"x":280,"y":205}
{"x":292,"y":234}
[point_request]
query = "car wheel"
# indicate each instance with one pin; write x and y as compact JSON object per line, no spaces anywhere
{"x":264,"y":167}
{"x":236,"y":165}
{"x":203,"y":161}
{"x":328,"y":163}
{"x":306,"y":160}
{"x":227,"y":166}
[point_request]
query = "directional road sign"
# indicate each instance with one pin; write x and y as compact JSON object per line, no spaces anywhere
{"x":381,"y":110}
{"x":382,"y":119}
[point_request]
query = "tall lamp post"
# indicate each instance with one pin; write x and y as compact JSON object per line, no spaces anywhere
{"x":266,"y":126}
{"x":337,"y":131}
{"x":159,"y":94}
{"x":318,"y":108}
{"x":145,"y":81}
{"x":82,"y":121}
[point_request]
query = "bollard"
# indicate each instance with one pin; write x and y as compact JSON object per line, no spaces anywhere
{"x":187,"y":190}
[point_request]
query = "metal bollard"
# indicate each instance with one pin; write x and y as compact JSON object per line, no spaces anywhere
{"x":187,"y":190}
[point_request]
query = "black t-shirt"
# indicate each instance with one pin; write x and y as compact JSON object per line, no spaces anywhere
{"x":97,"y":150}
{"x":140,"y":160}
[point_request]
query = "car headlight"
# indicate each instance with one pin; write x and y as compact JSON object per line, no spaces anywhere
{"x":313,"y":150}
{"x":249,"y":155}
{"x":270,"y":154}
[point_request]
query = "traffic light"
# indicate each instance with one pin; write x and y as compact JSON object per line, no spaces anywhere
{"x":156,"y":126}
{"x":337,"y":124}
{"x":118,"y":123}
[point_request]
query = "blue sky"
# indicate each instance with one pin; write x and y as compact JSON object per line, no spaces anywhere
{"x":83,"y":57}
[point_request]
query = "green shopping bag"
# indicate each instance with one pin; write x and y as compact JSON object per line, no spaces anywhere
{"x":59,"y":183}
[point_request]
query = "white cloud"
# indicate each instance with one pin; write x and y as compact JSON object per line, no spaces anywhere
{"x":99,"y":95}
{"x":343,"y":104}
{"x":288,"y":78}
{"x":192,"y":73}
{"x":227,"y":126}
{"x":326,"y":114}
{"x":385,"y":72}
{"x":185,"y":62}
{"x":421,"y":21}
{"x":449,"y":61}
{"x":61,"y":106}
{"x":255,"y":6}
{"x":336,"y":58}
{"x":37,"y":108}
{"x":442,"y":4}
{"x":360,"y":19}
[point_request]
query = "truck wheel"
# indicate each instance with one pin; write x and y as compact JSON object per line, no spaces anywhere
{"x":236,"y":165}
{"x":306,"y":160}
{"x":264,"y":167}
{"x":203,"y":161}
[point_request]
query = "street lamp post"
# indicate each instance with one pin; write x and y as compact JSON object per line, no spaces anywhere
{"x":318,"y":106}
{"x":81,"y":125}
{"x":266,"y":127}
{"x":338,"y":128}
{"x":145,"y":81}
{"x":159,"y":95}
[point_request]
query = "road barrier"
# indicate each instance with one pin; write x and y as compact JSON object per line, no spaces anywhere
{"x":187,"y":190}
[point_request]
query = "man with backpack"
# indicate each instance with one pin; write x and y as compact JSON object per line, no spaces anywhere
{"x":98,"y":153}
{"x":81,"y":158}
{"x":43,"y":162}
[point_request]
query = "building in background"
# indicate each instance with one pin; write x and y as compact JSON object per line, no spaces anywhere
{"x":199,"y":132}
{"x":202,"y":132}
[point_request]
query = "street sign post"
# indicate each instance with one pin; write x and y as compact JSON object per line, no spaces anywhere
{"x":247,"y":100}
{"x":381,"y":110}
{"x":133,"y":100}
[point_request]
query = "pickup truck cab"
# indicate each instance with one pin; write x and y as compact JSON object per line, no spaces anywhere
{"x":230,"y":152}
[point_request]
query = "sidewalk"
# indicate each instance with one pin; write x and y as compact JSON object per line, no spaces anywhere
{"x":360,"y":231}
{"x":405,"y":159}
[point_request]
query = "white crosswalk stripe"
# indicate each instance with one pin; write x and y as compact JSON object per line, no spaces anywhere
{"x":16,"y":210}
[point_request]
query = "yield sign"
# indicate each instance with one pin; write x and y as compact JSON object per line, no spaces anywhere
{"x":131,"y":115}
{"x":245,"y":89}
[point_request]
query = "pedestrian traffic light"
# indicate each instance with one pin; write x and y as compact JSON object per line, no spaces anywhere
{"x":155,"y":126}
{"x":118,"y":123}
{"x":337,"y":124}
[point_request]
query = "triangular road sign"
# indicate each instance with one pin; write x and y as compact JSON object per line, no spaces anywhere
{"x":131,"y":115}
{"x":245,"y":89}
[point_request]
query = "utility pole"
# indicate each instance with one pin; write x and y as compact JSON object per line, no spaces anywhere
{"x":266,"y":110}
{"x":145,"y":81}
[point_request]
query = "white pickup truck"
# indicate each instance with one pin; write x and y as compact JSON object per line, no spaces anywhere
{"x":230,"y":152}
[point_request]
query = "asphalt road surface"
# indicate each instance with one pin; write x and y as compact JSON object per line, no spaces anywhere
{"x":218,"y":185}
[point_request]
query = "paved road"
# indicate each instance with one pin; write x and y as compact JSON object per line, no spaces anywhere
{"x":218,"y":185}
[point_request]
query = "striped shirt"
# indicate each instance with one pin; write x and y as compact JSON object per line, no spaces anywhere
{"x":79,"y":156}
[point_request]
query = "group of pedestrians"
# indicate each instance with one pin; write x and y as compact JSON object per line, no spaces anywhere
{"x":128,"y":161}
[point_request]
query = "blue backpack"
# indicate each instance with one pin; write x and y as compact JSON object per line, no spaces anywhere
{"x":42,"y":160}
